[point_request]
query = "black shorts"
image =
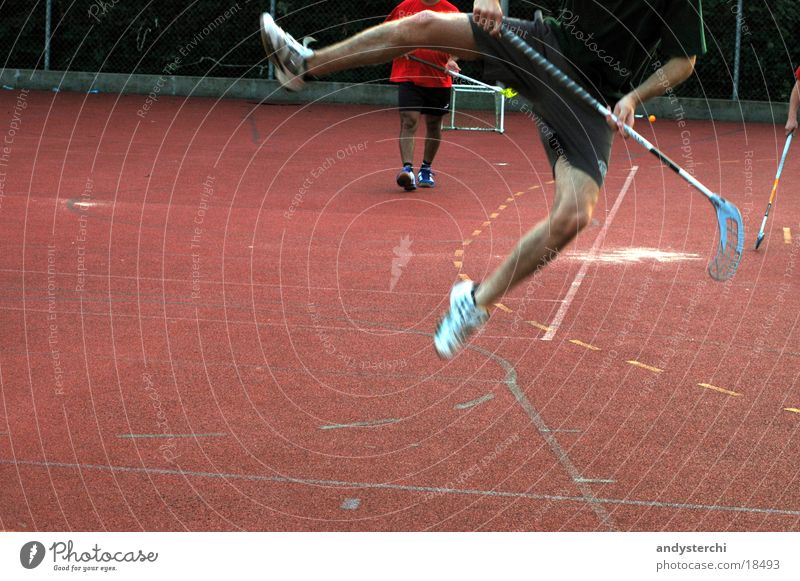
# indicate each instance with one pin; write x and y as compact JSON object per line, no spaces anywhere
{"x":567,"y":126}
{"x":427,"y":100}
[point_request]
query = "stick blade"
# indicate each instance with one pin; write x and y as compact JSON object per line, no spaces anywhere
{"x":731,"y":240}
{"x":759,"y":239}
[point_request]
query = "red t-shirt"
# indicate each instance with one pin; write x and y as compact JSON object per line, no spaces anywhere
{"x":405,"y":70}
{"x":797,"y":74}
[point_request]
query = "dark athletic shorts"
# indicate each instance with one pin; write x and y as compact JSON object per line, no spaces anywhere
{"x":427,"y":100}
{"x":566,"y":125}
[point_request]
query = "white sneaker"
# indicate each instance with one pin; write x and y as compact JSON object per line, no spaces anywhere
{"x":285,"y":53}
{"x":461,"y":321}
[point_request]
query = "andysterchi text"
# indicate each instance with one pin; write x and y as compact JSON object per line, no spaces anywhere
{"x":681,"y":549}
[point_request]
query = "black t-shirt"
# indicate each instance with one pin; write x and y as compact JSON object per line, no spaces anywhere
{"x":612,"y":42}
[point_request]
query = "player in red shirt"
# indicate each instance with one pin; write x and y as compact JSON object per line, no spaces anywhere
{"x":422,"y":90}
{"x":794,"y":104}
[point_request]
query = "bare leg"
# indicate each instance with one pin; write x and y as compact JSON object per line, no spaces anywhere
{"x":576,"y":196}
{"x":408,"y":129}
{"x":449,"y":32}
{"x":433,"y":137}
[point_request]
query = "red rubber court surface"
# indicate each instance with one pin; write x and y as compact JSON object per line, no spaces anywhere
{"x":217,"y":315}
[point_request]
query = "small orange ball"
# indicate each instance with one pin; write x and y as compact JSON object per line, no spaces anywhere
{"x":652,"y":119}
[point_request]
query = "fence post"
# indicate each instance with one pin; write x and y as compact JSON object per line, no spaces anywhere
{"x":270,"y":70}
{"x":738,"y":50}
{"x":47,"y":20}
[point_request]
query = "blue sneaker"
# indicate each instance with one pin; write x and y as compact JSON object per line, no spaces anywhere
{"x":405,"y":179}
{"x":426,"y":177}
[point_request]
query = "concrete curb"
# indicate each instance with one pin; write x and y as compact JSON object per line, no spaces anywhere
{"x":363,"y":94}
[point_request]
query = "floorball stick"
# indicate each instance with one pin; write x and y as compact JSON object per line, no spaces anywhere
{"x":731,"y":229}
{"x":774,"y":189}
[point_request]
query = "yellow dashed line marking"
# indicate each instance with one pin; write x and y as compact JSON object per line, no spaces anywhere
{"x":787,"y":235}
{"x":502,"y":307}
{"x":551,"y":182}
{"x":463,"y":276}
{"x":502,"y":207}
{"x":485,"y":224}
{"x":509,"y":199}
{"x":643,"y":366}
{"x":495,"y":215}
{"x":476,"y":233}
{"x":533,"y":187}
{"x":719,"y":389}
{"x":459,"y":252}
{"x":466,"y":242}
{"x":539,"y":326}
{"x":582,"y":344}
{"x":793,"y":410}
{"x":518,"y":194}
{"x":458,"y":263}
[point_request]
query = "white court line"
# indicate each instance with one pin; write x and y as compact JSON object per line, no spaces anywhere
{"x":134,"y":436}
{"x":576,"y":284}
{"x":367,"y":424}
{"x":429,"y":491}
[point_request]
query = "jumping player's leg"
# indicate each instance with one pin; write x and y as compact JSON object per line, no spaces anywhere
{"x":451,"y":32}
{"x":575,"y":199}
{"x":576,"y":196}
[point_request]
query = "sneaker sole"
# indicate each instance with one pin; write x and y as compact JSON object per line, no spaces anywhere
{"x":406,"y":183}
{"x":440,"y":354}
{"x":424,"y":185}
{"x":286,"y":79}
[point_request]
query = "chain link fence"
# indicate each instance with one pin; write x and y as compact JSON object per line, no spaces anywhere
{"x":219,"y":38}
